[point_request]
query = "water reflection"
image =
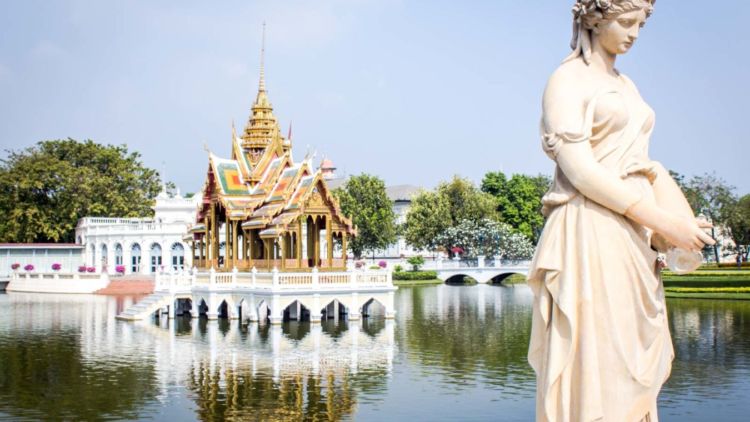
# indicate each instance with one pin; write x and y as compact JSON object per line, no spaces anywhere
{"x":476,"y":335}
{"x":55,"y":363}
{"x":712,"y":365}
{"x":54,"y":350}
{"x":453,"y":352}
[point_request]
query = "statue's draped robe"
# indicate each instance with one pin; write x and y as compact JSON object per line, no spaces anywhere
{"x":600,"y":342}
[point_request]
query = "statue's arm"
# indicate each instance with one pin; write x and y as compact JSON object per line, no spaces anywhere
{"x":564,"y":109}
{"x":564,"y":125}
{"x":668,"y":194}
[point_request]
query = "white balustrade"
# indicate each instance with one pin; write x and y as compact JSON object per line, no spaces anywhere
{"x":276,"y":281}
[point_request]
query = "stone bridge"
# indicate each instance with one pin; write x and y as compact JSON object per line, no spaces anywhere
{"x":496,"y":271}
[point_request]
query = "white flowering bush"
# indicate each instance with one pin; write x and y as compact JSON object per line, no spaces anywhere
{"x":488,"y":238}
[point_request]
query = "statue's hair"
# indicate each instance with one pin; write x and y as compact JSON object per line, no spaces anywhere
{"x":592,"y":12}
{"x":588,"y":13}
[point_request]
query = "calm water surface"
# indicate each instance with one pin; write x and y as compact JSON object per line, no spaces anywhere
{"x":453,"y":352}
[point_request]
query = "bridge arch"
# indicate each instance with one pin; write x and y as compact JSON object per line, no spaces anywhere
{"x":458,"y":278}
{"x":500,"y":278}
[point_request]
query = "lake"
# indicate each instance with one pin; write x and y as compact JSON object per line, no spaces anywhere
{"x":453,"y":352}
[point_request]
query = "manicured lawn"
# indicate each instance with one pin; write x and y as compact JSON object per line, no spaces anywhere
{"x":708,"y":284}
{"x":725,"y":296}
{"x":407,"y":283}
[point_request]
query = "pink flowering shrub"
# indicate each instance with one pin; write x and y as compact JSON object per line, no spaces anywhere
{"x":29,"y":267}
{"x":81,"y":268}
{"x":90,"y":269}
{"x":15,"y":266}
{"x":56,"y":267}
{"x":382,"y":264}
{"x":120,"y":269}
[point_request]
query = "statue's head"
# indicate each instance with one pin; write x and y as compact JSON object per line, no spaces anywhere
{"x":613,"y":24}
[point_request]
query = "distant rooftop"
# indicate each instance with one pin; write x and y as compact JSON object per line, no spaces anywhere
{"x":402,"y":192}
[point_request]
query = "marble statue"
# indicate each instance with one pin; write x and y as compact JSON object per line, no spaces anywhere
{"x":600,"y":343}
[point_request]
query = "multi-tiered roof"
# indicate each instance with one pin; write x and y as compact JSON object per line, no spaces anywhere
{"x":261,"y":185}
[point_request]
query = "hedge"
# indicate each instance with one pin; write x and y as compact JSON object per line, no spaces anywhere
{"x":414,"y":275}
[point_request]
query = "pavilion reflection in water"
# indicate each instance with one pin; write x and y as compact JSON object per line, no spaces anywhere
{"x":259,"y":371}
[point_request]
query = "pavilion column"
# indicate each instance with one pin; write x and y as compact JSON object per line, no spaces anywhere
{"x":268,"y":251}
{"x":310,"y":226}
{"x":329,"y":243}
{"x":227,"y":243}
{"x":193,"y":250}
{"x":316,"y":239}
{"x":283,"y":252}
{"x":204,"y":250}
{"x":299,"y":243}
{"x":235,"y":241}
{"x":206,"y":241}
{"x":248,"y":244}
{"x":343,"y":247}
{"x":214,"y":256}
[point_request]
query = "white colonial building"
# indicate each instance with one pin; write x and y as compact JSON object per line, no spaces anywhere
{"x":141,"y":245}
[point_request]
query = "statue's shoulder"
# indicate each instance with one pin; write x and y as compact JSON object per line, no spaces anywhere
{"x":568,"y":83}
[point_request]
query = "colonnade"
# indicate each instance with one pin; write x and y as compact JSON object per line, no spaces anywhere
{"x":246,"y":246}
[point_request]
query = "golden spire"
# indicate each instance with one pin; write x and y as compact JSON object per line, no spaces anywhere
{"x":262,"y":83}
{"x":262,"y":126}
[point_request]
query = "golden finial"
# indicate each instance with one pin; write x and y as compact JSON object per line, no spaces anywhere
{"x":262,"y":84}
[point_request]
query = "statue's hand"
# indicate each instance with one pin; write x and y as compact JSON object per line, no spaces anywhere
{"x":685,"y":233}
{"x":659,"y":243}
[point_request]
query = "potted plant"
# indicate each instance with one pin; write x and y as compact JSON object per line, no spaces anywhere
{"x":81,"y":268}
{"x":120,"y":269}
{"x":15,"y":266}
{"x":56,"y":267}
{"x":90,"y":269}
{"x":29,"y":267}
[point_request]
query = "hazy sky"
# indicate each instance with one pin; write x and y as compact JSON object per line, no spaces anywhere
{"x":412,"y":91}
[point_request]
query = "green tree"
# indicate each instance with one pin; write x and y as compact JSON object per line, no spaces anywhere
{"x":364,"y":198}
{"x":431,"y":213}
{"x":46,"y":188}
{"x":428,"y":217}
{"x":519,"y":200}
{"x":709,"y":195}
{"x":466,"y":202}
{"x":738,"y":224}
{"x":416,"y":262}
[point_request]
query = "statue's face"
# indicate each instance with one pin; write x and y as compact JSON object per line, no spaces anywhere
{"x":618,"y":34}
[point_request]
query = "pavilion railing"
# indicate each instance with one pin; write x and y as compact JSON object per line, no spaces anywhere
{"x":272,"y":280}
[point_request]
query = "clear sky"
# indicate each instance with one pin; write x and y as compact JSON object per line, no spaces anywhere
{"x":412,"y":91}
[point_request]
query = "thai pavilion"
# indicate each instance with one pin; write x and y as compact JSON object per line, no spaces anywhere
{"x":263,"y":210}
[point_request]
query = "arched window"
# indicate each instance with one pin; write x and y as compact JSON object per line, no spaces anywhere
{"x":178,"y":256}
{"x":118,"y":254}
{"x":104,"y":257}
{"x":135,"y":258}
{"x":155,"y":257}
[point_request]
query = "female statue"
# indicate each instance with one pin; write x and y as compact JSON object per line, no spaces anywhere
{"x":600,"y":343}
